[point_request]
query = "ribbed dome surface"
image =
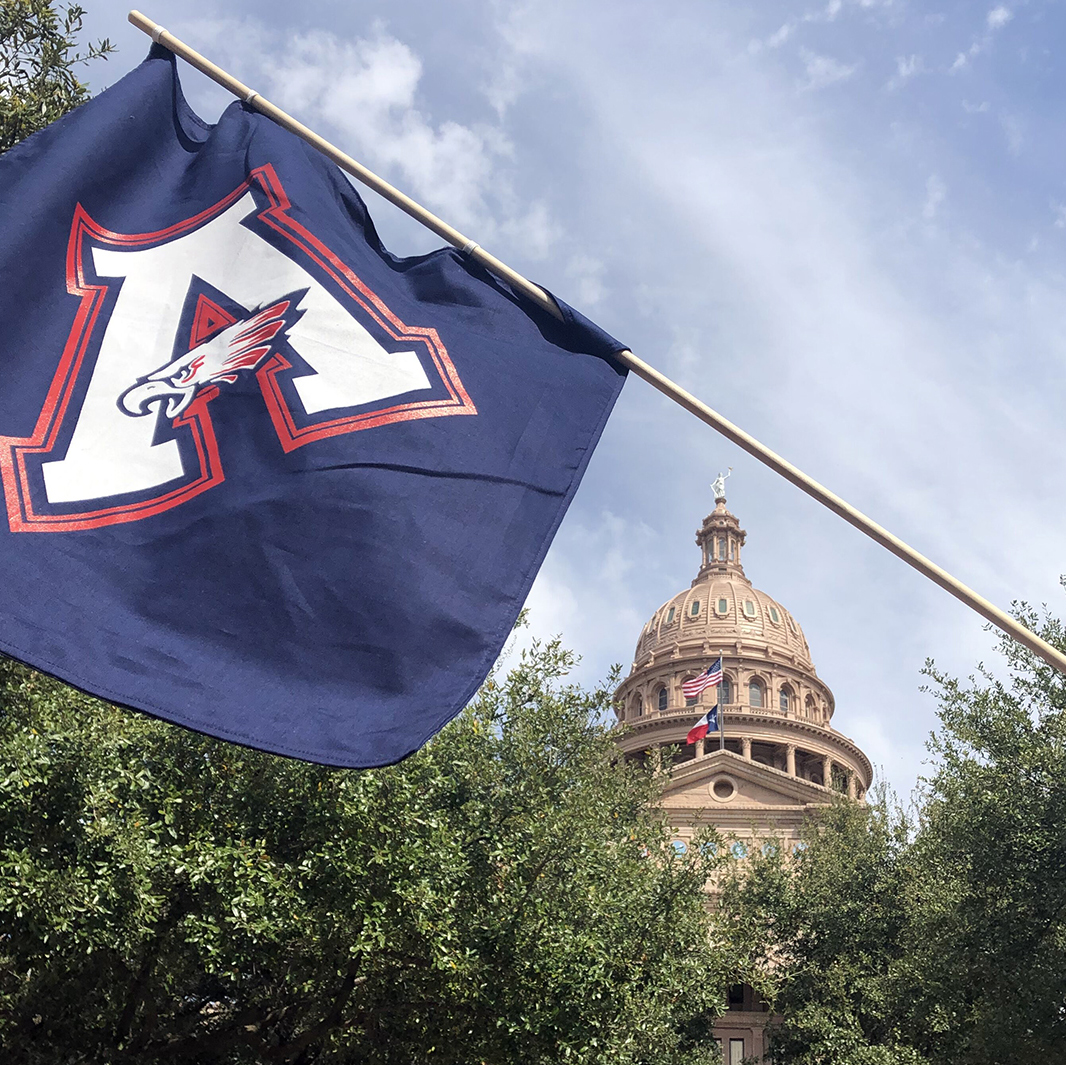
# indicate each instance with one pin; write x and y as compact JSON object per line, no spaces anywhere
{"x":748,"y":615}
{"x":722,"y":607}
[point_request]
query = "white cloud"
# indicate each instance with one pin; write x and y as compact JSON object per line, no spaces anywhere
{"x":1059,"y":210}
{"x":816,"y":16}
{"x":822,"y":70}
{"x":586,"y":275}
{"x":367,"y":89}
{"x":365,"y":93}
{"x":998,"y":17}
{"x":906,"y":68}
{"x":595,"y":596}
{"x":533,"y":230}
{"x":504,"y":88}
{"x":775,"y":40}
{"x":935,"y":193}
{"x":827,"y":13}
{"x":1014,"y":132}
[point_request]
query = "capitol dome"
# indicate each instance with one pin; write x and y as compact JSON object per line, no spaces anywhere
{"x":778,"y":748}
{"x":721,"y":605}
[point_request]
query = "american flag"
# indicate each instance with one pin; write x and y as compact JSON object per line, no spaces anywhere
{"x":691,"y":688}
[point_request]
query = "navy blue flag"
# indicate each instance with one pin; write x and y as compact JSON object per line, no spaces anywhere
{"x":262,"y":477}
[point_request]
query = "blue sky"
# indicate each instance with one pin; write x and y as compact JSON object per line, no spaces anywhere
{"x":841,"y":224}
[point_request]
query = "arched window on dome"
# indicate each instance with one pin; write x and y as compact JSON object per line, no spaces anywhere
{"x":661,"y":698}
{"x":725,"y":691}
{"x":808,"y":707}
{"x":721,"y":549}
{"x":732,"y":549}
{"x":695,"y":607}
{"x":638,"y":706}
{"x":755,"y":692}
{"x":785,"y":698}
{"x":670,"y":614}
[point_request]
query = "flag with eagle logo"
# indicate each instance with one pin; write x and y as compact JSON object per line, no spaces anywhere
{"x":261,"y":477}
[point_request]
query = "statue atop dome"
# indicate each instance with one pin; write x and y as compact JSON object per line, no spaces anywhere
{"x":718,"y":485}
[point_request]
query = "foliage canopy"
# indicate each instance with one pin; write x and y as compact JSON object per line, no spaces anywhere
{"x":38,"y":54}
{"x":165,"y":895}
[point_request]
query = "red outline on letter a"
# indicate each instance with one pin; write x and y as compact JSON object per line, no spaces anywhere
{"x":194,"y":426}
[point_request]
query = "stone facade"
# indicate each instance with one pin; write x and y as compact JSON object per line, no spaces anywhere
{"x":779,"y":756}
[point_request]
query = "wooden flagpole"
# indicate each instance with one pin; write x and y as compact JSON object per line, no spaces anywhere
{"x":689,"y":402}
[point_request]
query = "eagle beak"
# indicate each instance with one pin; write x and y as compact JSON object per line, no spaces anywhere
{"x":136,"y":400}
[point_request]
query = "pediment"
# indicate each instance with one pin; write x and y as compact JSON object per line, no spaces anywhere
{"x":755,"y":785}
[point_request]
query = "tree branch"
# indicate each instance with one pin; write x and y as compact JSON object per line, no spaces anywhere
{"x":332,"y":1018}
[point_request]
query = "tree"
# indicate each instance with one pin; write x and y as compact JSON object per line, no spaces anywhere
{"x":37,"y":60}
{"x":823,"y":930}
{"x":505,"y":895}
{"x":988,"y":936}
{"x":938,"y":936}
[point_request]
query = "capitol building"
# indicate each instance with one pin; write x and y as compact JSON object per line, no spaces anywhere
{"x":778,"y":757}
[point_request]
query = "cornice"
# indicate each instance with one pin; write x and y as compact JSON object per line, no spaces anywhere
{"x":738,"y":815}
{"x":735,"y":649}
{"x":667,"y":720}
{"x":809,"y":727}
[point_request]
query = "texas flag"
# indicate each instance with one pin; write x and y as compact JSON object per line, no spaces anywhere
{"x":707,"y":723}
{"x":261,"y":477}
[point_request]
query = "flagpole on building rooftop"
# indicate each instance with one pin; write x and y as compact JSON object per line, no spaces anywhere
{"x":685,"y":399}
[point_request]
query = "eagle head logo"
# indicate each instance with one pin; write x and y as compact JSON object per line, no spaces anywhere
{"x":242,"y":346}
